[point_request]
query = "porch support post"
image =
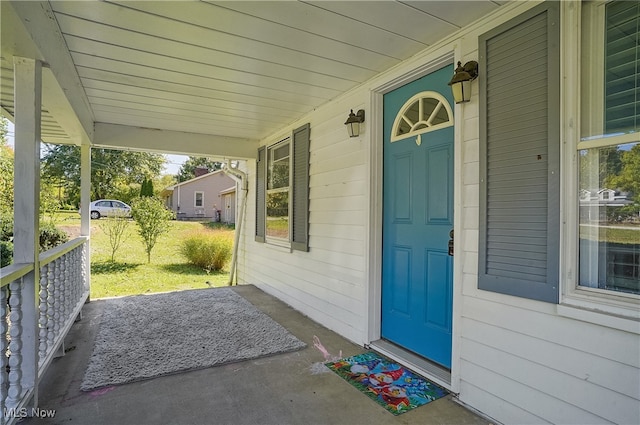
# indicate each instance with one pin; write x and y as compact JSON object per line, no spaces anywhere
{"x":85,"y":200}
{"x":24,"y":295}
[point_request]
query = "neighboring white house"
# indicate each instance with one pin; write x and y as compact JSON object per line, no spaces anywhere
{"x":602,"y":204}
{"x":201,"y":197}
{"x":519,"y":338}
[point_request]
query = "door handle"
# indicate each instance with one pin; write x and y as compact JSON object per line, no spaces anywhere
{"x":451,"y":243}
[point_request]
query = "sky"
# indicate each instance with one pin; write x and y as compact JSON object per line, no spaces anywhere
{"x":172,"y":166}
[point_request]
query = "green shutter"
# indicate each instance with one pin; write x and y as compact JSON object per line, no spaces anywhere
{"x":519,"y":156}
{"x":261,"y":189}
{"x":300,"y":201}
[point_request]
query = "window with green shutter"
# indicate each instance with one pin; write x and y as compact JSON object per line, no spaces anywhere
{"x":261,"y":179}
{"x":282,"y":191}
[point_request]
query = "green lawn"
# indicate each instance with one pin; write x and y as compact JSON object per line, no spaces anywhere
{"x":130,"y":274}
{"x":614,"y":234}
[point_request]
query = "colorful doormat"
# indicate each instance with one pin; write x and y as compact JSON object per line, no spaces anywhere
{"x":392,"y":386}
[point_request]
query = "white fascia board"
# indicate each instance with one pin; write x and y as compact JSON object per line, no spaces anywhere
{"x":63,"y":94}
{"x":173,"y":142}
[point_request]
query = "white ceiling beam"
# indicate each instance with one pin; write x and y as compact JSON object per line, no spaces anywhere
{"x":172,"y":142}
{"x":63,"y":94}
{"x":8,"y":115}
{"x":55,"y":101}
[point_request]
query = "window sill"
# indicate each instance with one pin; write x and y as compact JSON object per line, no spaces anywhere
{"x":278,"y":245}
{"x":621,"y":316}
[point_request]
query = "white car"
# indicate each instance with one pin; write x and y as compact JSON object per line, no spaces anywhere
{"x":109,"y":208}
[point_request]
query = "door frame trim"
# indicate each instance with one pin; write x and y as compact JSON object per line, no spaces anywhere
{"x":440,"y":58}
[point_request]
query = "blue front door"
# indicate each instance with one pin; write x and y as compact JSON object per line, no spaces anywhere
{"x":417,"y":270}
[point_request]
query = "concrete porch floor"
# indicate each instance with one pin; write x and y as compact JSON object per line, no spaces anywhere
{"x":274,"y":390}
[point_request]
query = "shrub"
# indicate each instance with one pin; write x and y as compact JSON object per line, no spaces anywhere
{"x":6,"y":226}
{"x":51,"y":236}
{"x":207,"y":250}
{"x":6,"y":253}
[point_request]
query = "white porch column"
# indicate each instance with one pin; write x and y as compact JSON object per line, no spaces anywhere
{"x":24,"y":337}
{"x":85,"y":200}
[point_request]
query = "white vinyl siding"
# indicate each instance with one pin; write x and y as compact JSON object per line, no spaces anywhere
{"x":573,"y":374}
{"x":520,"y":361}
{"x":328,"y":282}
{"x":516,"y":360}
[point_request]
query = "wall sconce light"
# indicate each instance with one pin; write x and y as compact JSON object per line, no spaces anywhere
{"x":353,"y":123}
{"x":461,"y":81}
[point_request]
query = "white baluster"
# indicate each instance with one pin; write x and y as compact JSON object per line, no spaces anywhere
{"x":76,"y":277}
{"x":15,"y":346}
{"x":85,"y":266}
{"x":77,"y":253}
{"x":64,"y":296}
{"x":69,"y":286}
{"x":57,"y":301}
{"x":42,"y":307}
{"x":72,"y":280}
{"x":50,"y":306}
{"x":4,"y":361}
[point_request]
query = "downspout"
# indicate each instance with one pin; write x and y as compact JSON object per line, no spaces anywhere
{"x":239,"y":177}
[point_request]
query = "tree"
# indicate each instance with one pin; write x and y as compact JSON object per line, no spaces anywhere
{"x":153,"y":220}
{"x":608,"y":162}
{"x":147,"y":188}
{"x":49,"y":206}
{"x":6,"y":196}
{"x":6,"y":170}
{"x":115,"y":227}
{"x":110,"y":169}
{"x":164,"y":181}
{"x":188,"y":169}
{"x":628,"y":178}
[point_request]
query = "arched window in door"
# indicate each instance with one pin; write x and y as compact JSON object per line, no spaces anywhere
{"x":426,"y":111}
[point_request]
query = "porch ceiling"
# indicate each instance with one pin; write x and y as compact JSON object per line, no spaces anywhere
{"x":234,"y":71}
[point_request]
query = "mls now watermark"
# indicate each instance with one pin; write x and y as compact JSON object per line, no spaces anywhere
{"x":34,"y":412}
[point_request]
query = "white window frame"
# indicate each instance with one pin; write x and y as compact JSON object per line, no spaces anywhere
{"x":424,"y":123}
{"x":599,"y":306}
{"x":284,"y":242}
{"x":195,"y":199}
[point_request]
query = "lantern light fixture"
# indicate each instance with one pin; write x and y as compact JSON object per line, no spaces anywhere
{"x":461,"y":81}
{"x":353,"y":123}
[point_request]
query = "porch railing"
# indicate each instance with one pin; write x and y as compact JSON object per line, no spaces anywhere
{"x":27,"y":343}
